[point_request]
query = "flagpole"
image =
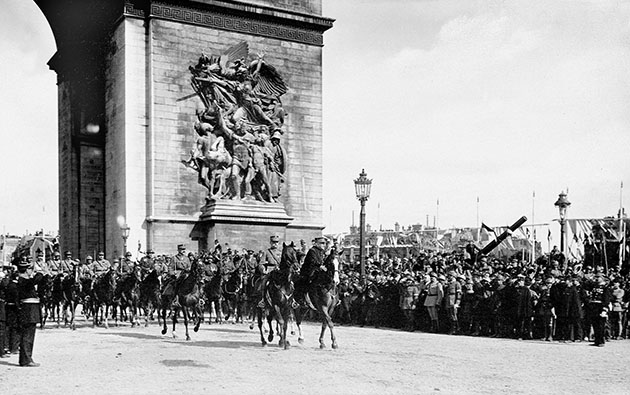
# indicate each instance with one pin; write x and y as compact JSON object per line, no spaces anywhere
{"x":478,"y":226}
{"x":533,"y":229}
{"x":622,"y":245}
{"x":4,"y":242}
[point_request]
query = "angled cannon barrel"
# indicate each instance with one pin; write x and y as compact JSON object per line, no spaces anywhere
{"x":495,"y":243}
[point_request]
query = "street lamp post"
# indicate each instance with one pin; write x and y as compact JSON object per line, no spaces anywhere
{"x":362,"y":186}
{"x":124,"y":229}
{"x":562,"y":203}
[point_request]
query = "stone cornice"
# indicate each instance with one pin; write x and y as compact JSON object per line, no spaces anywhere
{"x":238,"y":17}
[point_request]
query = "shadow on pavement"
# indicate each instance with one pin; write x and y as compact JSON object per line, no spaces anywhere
{"x":195,"y":343}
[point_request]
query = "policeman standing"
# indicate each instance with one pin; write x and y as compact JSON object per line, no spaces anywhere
{"x":28,"y":311}
{"x":598,"y":309}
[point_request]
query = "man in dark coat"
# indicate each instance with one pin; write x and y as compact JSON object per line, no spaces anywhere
{"x":525,"y":302}
{"x":312,"y":262}
{"x":28,"y":311}
{"x":4,"y":282}
{"x":598,"y":309}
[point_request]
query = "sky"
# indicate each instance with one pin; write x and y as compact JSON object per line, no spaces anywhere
{"x":439,"y":101}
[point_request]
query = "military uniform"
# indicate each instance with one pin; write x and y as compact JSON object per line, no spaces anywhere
{"x":452,"y":299}
{"x":271,"y":260}
{"x":29,"y":315}
{"x":409,"y":292}
{"x":433,"y":300}
{"x":67,"y":265}
{"x":598,"y":310}
{"x":4,"y":282}
{"x":100,"y":266}
{"x":54,"y":265}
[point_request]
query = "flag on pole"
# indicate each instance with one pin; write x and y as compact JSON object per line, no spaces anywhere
{"x":489,"y":229}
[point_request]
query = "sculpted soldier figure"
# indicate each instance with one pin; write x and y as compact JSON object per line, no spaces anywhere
{"x":276,"y":166}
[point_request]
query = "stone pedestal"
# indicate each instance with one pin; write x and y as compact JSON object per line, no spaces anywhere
{"x":240,"y":223}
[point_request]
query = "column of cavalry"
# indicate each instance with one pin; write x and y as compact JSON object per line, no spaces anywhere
{"x":280,"y":284}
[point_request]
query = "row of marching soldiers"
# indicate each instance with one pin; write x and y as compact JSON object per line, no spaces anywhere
{"x":564,"y":307}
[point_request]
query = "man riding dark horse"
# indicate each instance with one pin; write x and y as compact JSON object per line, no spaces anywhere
{"x":177,"y":270}
{"x":317,"y":284}
{"x":278,"y":292}
{"x":313,"y":262}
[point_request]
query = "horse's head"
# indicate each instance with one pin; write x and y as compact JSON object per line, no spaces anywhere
{"x":288,"y":258}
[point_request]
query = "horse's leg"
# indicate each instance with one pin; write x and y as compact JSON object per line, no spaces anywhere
{"x":174,"y":313}
{"x":73,"y":308}
{"x":162,"y":314}
{"x":185,"y":313}
{"x":321,"y":334}
{"x":298,"y":322}
{"x":269,"y":319}
{"x":328,"y":316}
{"x":199,"y":314}
{"x":107,"y":306}
{"x":259,"y":315}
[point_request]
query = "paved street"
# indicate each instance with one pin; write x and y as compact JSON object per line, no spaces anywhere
{"x":229,"y":359}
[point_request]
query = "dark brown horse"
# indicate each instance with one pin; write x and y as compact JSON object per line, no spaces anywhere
{"x":127,"y":295}
{"x":44,"y":291}
{"x":189,"y":296}
{"x":150,"y":297}
{"x":322,"y":296}
{"x":103,"y":296}
{"x":234,"y":295}
{"x":279,"y":293}
{"x":213,"y":291}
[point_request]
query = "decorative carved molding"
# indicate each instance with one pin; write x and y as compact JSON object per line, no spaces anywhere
{"x":218,"y":20}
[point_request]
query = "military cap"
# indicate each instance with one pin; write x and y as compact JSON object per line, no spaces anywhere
{"x":181,"y":246}
{"x":276,"y":135}
{"x":442,"y":277}
{"x":89,"y":257}
{"x":150,"y":251}
{"x":274,"y":238}
{"x":67,"y":253}
{"x":128,"y":253}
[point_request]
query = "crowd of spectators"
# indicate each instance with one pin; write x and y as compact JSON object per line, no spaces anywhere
{"x":456,"y":293}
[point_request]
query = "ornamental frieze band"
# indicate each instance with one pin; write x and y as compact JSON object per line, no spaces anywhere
{"x":221,"y":21}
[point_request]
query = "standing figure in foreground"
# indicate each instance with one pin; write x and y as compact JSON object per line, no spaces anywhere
{"x":29,"y":313}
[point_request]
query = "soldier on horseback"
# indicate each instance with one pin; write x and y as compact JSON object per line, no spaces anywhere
{"x":178,"y":268}
{"x":269,"y":263}
{"x":313,"y":262}
{"x":54,"y":264}
{"x":66,"y":267}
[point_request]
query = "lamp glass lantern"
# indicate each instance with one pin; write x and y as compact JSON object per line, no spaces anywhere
{"x":125,"y":231}
{"x":562,"y":203}
{"x":362,"y":186}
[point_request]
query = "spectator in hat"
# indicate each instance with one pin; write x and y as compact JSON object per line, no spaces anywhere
{"x":433,"y":300}
{"x":29,"y":311}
